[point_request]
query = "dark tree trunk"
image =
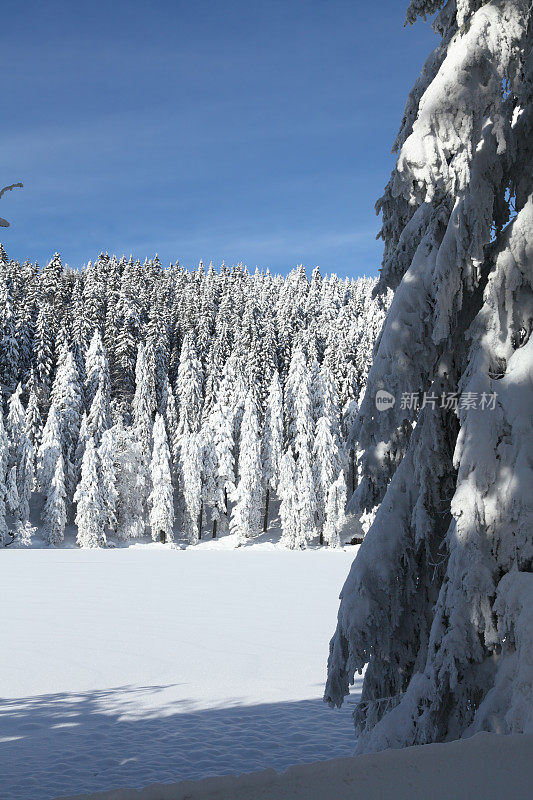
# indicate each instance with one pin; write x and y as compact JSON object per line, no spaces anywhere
{"x":352,"y":453}
{"x":214,"y":529}
{"x":200,"y":515}
{"x":267,"y":501}
{"x":162,"y":537}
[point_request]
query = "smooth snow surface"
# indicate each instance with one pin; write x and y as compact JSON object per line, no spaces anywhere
{"x":132,"y":666}
{"x":487,"y":766}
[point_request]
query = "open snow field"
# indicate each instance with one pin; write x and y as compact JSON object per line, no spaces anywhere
{"x":133,"y":666}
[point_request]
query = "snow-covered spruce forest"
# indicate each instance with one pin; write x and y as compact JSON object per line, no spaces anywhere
{"x":173,"y":404}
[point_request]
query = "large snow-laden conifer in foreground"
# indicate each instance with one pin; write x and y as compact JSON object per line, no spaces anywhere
{"x":436,"y":602}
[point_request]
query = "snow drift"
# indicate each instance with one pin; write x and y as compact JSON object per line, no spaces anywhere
{"x":488,"y":766}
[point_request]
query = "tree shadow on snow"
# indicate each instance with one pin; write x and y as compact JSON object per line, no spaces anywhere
{"x":62,"y":744}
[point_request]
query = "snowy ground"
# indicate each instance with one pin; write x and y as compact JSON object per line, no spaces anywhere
{"x":487,"y":766}
{"x":132,"y":666}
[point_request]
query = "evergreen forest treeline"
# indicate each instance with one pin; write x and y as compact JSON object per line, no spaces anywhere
{"x":147,"y":401}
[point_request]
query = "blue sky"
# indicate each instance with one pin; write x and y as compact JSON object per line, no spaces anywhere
{"x":244,"y":130}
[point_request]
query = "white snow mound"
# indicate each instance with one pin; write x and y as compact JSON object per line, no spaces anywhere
{"x":486,"y":766}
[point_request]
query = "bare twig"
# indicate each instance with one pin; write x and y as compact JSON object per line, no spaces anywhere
{"x":3,"y":222}
{"x":8,"y":188}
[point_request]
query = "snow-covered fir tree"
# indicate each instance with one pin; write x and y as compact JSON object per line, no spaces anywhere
{"x":191,"y":461}
{"x":15,"y":423}
{"x":9,"y":345}
{"x":272,"y":441}
{"x":12,"y":495}
{"x":130,"y":484}
{"x":212,"y":491}
{"x":246,"y":513}
{"x":143,"y":404}
{"x":170,"y":414}
{"x":90,"y":509}
{"x":298,"y":403}
{"x":299,"y":420}
{"x":33,"y":419}
{"x":220,"y":433}
{"x":21,"y":454}
{"x":143,"y":407}
{"x":80,"y":447}
{"x":66,"y":397}
{"x":288,"y":510}
{"x":54,"y":513}
{"x":189,"y":389}
{"x":327,"y":455}
{"x":96,"y":369}
{"x":306,"y":503}
{"x":108,"y":478}
{"x":437,"y":604}
{"x":49,"y":450}
{"x":25,"y":475}
{"x":334,"y":516}
{"x":99,"y":417}
{"x":161,"y":499}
